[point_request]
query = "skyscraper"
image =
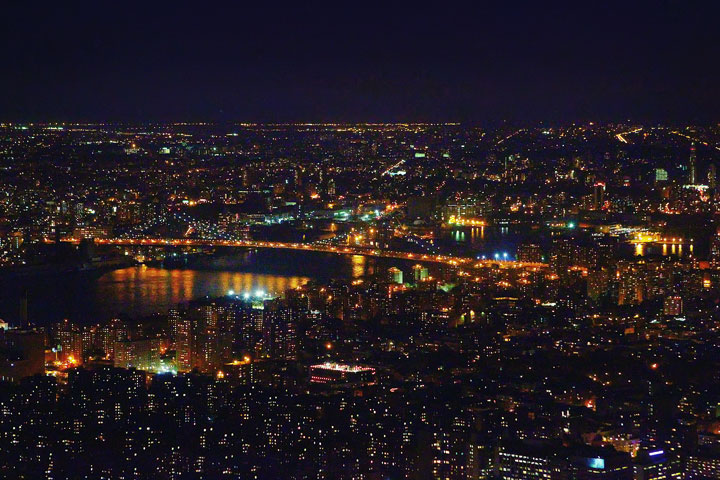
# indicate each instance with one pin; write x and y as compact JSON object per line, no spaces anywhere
{"x":70,"y":345}
{"x":212,"y":335}
{"x":692,"y":167}
{"x":180,"y":330}
{"x":712,"y":176}
{"x":598,"y":195}
{"x":278,"y":330}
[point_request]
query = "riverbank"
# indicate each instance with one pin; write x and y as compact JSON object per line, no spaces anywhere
{"x":142,"y":290}
{"x":69,"y":268}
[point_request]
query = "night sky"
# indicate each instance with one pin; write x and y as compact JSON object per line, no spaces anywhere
{"x":353,"y":61}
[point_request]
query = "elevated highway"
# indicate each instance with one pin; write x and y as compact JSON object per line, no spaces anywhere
{"x":340,"y":250}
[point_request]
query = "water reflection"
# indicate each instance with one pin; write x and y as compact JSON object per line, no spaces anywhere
{"x":477,"y":234}
{"x":144,"y":290}
{"x":482,"y":240}
{"x":676,"y":249}
{"x":358,"y":265}
{"x":459,"y":235}
{"x":140,"y":291}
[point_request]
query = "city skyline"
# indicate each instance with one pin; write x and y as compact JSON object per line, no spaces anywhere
{"x":403,"y":301}
{"x":360,"y":242}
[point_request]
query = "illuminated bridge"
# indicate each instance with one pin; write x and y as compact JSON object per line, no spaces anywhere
{"x":341,"y":250}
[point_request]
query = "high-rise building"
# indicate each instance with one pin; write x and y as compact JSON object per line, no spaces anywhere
{"x":395,"y":275}
{"x":692,"y":166}
{"x":529,"y":252}
{"x":598,"y":195}
{"x":209,"y":316}
{"x":142,"y":354}
{"x":278,"y":329}
{"x":712,"y":176}
{"x":529,"y":460}
{"x":563,"y":255}
{"x":673,"y":305}
{"x":631,"y":283}
{"x":420,"y":273}
{"x":656,"y":465}
{"x":523,"y":462}
{"x":100,"y":339}
{"x":661,"y":175}
{"x":597,"y":283}
{"x":206,"y":351}
{"x":702,"y":466}
{"x":181,"y":337}
{"x":212,"y":326}
{"x":69,"y":342}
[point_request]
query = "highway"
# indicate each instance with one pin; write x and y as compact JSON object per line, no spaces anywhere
{"x":621,"y":136}
{"x":340,"y":250}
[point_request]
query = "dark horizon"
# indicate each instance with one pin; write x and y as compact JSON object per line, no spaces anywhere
{"x":521,"y":63}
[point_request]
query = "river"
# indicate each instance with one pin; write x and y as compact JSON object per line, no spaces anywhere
{"x":142,"y":290}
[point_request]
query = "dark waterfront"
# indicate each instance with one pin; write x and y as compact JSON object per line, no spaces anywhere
{"x":143,"y":290}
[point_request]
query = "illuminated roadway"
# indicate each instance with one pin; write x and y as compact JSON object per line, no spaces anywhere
{"x":693,"y":139}
{"x":341,"y":250}
{"x":621,"y":136}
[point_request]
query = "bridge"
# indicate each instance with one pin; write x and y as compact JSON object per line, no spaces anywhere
{"x":340,"y":250}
